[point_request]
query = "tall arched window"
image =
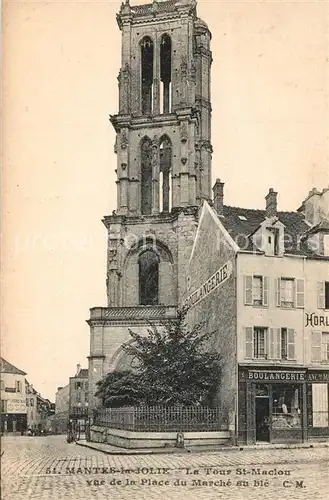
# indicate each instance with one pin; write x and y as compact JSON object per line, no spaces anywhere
{"x":147,"y":50}
{"x":165,"y":74}
{"x":148,"y":263}
{"x":165,"y":174}
{"x":146,"y":176}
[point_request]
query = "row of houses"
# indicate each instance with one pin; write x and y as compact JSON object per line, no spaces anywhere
{"x":22,"y":406}
{"x":269,"y":315}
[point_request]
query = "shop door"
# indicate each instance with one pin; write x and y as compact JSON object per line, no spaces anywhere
{"x":262,"y":419}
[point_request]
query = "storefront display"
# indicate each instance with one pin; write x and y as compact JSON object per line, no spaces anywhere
{"x":278,"y":405}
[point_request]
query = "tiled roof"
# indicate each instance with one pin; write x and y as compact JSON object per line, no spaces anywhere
{"x":7,"y":367}
{"x":242,"y":222}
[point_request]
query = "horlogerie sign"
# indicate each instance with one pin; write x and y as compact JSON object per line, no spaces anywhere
{"x":217,"y":279}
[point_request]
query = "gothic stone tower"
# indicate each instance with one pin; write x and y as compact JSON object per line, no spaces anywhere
{"x":163,"y":171}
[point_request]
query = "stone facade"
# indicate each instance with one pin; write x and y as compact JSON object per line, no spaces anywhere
{"x":163,"y":149}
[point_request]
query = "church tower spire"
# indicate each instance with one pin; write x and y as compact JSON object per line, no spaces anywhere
{"x":163,"y":133}
{"x":163,"y":150}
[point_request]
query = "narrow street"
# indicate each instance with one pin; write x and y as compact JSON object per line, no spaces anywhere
{"x":50,"y":468}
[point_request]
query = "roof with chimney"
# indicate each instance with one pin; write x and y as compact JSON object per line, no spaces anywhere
{"x":241,"y":223}
{"x":7,"y":367}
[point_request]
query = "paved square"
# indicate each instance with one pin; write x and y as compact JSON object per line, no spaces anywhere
{"x":48,"y":468}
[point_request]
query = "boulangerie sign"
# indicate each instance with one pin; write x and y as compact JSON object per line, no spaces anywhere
{"x":217,"y":279}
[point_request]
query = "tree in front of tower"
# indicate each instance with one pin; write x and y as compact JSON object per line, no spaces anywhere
{"x":172,"y":366}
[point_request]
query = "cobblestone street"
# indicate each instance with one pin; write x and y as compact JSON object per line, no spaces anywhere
{"x":49,"y":468}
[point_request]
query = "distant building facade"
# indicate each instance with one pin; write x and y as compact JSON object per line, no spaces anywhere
{"x":78,"y":395}
{"x":13,"y":398}
{"x":38,"y":409}
{"x":62,"y":400}
{"x":260,"y":280}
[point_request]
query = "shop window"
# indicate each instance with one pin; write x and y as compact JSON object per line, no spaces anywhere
{"x":256,"y":290}
{"x":286,"y":411}
{"x":320,"y":408}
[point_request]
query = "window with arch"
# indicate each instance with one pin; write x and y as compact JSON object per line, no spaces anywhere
{"x":147,"y":51}
{"x":165,"y":174}
{"x":165,"y":74}
{"x":148,"y":264}
{"x":146,"y":176}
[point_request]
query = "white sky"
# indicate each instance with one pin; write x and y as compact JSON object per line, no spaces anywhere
{"x":270,"y":95}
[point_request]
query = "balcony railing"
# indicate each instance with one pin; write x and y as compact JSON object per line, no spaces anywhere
{"x":137,"y":312}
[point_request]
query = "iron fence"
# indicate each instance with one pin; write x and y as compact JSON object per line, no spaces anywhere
{"x":160,"y":418}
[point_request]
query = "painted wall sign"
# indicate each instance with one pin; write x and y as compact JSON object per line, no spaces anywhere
{"x":16,"y":406}
{"x":313,"y":319}
{"x":217,"y":279}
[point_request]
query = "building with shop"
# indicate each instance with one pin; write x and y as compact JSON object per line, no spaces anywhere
{"x":13,"y":398}
{"x":260,"y":281}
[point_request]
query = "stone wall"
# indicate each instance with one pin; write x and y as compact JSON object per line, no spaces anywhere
{"x":218,"y":309}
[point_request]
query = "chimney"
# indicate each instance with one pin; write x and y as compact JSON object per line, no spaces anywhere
{"x":78,"y":369}
{"x":218,"y":191}
{"x":271,"y":203}
{"x":313,"y":206}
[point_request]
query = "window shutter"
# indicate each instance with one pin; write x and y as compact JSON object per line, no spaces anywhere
{"x":249,"y":342}
{"x":300,"y":284}
{"x":271,"y":343}
{"x":265,"y":291}
{"x":321,"y":295}
{"x":316,"y":346}
{"x":291,"y":343}
{"x":278,"y":292}
{"x":277,"y":343}
{"x":248,"y":290}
